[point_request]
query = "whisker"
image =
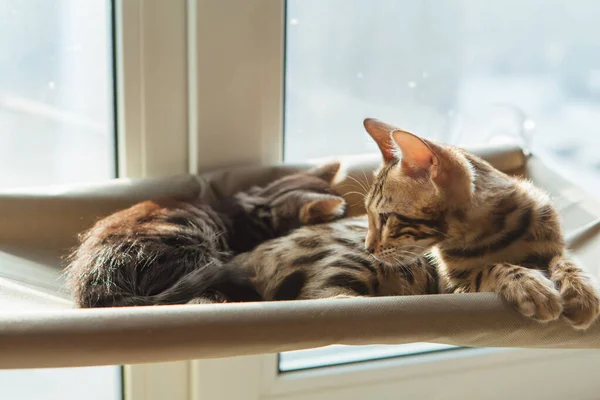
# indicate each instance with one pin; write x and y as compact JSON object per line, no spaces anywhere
{"x":410,"y":253}
{"x":360,"y":184}
{"x":356,"y":204}
{"x":440,"y":232}
{"x":366,"y":181}
{"x":365,"y":176}
{"x":399,"y":262}
{"x":358,"y":193}
{"x":355,"y":182}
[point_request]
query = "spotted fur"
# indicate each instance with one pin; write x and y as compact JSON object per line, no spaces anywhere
{"x":312,"y":262}
{"x":488,"y":231}
{"x":138,"y":255}
{"x":335,"y":264}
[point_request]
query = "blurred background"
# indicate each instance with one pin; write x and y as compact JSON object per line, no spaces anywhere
{"x":462,"y":71}
{"x":56,"y":92}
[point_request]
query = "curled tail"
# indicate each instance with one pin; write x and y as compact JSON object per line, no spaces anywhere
{"x":209,"y":281}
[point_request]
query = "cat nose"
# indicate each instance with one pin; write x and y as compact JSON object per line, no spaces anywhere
{"x":370,"y":244}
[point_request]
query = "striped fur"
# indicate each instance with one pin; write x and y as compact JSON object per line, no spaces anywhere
{"x":488,"y":231}
{"x":138,"y":256}
{"x":323,"y":261}
{"x":329,"y":260}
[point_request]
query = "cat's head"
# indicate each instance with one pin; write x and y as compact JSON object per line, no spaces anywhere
{"x":419,"y":184}
{"x":303,"y":198}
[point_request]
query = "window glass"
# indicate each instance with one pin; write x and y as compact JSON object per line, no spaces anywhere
{"x":56,"y":92}
{"x":339,"y":355}
{"x":91,"y":383}
{"x":460,"y":71}
{"x":56,"y":127}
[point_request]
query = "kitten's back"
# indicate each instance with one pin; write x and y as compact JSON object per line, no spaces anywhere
{"x":330,"y":260}
{"x":154,"y":249}
{"x":142,"y":250}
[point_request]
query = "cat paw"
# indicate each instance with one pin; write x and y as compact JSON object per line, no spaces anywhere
{"x":581,"y":302}
{"x":205,"y":300}
{"x":343,"y":296}
{"x":534,"y":296}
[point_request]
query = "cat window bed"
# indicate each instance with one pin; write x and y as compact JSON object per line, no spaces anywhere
{"x":40,"y":328}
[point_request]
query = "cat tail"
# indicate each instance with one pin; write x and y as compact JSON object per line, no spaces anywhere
{"x":225,"y":281}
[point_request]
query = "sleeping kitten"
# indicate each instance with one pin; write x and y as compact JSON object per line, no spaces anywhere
{"x":145,"y":249}
{"x":329,"y":260}
{"x":490,"y":232}
{"x":312,"y":262}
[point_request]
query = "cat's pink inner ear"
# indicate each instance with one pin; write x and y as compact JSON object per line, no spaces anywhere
{"x":324,"y":209}
{"x":380,"y":132}
{"x":417,"y":155}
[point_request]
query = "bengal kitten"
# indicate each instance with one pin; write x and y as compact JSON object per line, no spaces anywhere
{"x":312,"y":262}
{"x":143,"y":250}
{"x":330,"y":260}
{"x":490,"y":232}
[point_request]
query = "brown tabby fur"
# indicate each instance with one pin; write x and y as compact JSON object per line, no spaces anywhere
{"x":329,"y":260}
{"x":136,"y":256}
{"x":489,"y":232}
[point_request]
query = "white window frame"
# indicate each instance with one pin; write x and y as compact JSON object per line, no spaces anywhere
{"x":152,"y":87}
{"x":219,"y":64}
{"x":152,"y":134}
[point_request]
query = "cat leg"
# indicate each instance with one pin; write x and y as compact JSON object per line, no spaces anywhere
{"x":528,"y":290}
{"x":578,"y":290}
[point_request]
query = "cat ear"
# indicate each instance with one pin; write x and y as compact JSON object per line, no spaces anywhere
{"x":418,"y":156}
{"x":322,"y":208}
{"x":449,"y":170}
{"x":380,"y":132}
{"x":327,"y":172}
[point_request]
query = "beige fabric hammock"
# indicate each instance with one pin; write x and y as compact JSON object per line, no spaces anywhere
{"x":39,"y":327}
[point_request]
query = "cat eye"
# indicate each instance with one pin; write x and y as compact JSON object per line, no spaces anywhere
{"x":401,"y":235}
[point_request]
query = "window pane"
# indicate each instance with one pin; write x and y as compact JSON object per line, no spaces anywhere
{"x":92,"y":383}
{"x":338,"y":355}
{"x":461,"y":71}
{"x":56,"y":92}
{"x":57,"y":126}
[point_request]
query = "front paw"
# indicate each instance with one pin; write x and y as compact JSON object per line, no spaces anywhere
{"x":533,"y":295}
{"x":581,"y":301}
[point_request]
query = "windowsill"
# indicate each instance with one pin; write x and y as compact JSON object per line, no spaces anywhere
{"x":337,"y":355}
